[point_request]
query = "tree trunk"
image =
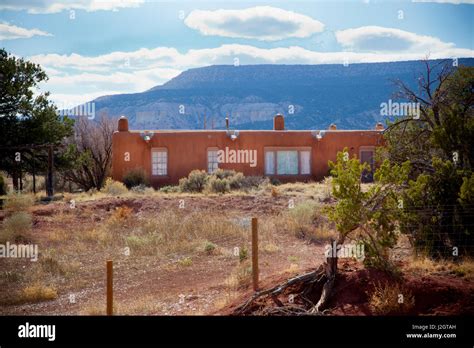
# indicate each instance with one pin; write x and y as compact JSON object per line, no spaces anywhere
{"x":330,"y":268}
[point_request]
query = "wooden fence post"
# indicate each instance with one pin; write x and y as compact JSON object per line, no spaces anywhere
{"x":110,"y":288}
{"x":255,"y":253}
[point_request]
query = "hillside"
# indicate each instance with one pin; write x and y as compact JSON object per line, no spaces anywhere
{"x":251,"y":95}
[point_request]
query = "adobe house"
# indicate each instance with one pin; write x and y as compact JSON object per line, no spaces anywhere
{"x":168,"y":155}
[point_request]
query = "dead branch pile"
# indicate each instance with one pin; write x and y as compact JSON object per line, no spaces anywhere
{"x":302,"y":289}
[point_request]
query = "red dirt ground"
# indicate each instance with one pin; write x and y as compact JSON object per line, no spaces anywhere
{"x":201,"y":289}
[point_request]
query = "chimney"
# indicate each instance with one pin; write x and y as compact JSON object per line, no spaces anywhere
{"x":279,"y":122}
{"x":227,"y":123}
{"x":333,"y":126}
{"x":123,"y":124}
{"x":379,"y":126}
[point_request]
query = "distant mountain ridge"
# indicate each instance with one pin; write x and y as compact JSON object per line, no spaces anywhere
{"x":310,"y":96}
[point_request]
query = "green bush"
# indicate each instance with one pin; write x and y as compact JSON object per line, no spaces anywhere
{"x":209,"y":247}
{"x":195,"y":182}
{"x":243,"y":254}
{"x":219,"y":185}
{"x":136,"y":177}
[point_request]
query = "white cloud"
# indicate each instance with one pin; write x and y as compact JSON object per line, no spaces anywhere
{"x":261,"y":23}
{"x":11,"y":32}
{"x":381,"y":39}
{"x":46,"y":6}
{"x":74,"y":76}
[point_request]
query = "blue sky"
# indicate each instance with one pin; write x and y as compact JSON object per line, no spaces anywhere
{"x":93,"y":48}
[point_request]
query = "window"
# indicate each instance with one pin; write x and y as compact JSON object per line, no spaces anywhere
{"x":159,"y":162}
{"x":367,"y":156}
{"x":270,"y":162}
{"x":212,"y":163}
{"x":305,"y":159}
{"x":287,"y":162}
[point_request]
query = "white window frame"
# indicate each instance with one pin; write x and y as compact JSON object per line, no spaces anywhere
{"x":298,"y":149}
{"x":159,"y":171}
{"x":215,"y":164}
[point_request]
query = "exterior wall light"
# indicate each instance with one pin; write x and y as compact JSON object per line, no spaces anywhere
{"x":318,"y":134}
{"x":233,"y":134}
{"x":146,"y":136}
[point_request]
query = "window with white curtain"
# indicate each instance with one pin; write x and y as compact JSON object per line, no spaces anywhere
{"x":287,"y":162}
{"x":305,"y":160}
{"x":270,"y":162}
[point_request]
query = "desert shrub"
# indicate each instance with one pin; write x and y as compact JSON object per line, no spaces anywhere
{"x":18,"y":202}
{"x":236,"y":181}
{"x":241,"y":276}
{"x":135,"y":177}
{"x":252,"y":181}
{"x":327,"y":188}
{"x":223,"y":173}
{"x":185,"y":262}
{"x":16,"y":227}
{"x":142,"y":189}
{"x":169,"y":189}
{"x":114,"y":188}
{"x":209,"y":248}
{"x":51,"y":265}
{"x":243,"y":254}
{"x":3,"y":186}
{"x":275,"y":181}
{"x":144,"y":244}
{"x":219,"y":185}
{"x":391,"y":299}
{"x":195,"y":182}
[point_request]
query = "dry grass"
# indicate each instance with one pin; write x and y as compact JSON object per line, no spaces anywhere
{"x":16,"y":202}
{"x":16,"y":227}
{"x":240,"y":277}
{"x":37,"y":293}
{"x":146,"y":305}
{"x":185,"y":262}
{"x":306,"y":221}
{"x":176,"y":232}
{"x":425,"y":265}
{"x":391,"y":299}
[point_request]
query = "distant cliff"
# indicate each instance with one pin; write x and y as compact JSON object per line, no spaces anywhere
{"x":310,"y":96}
